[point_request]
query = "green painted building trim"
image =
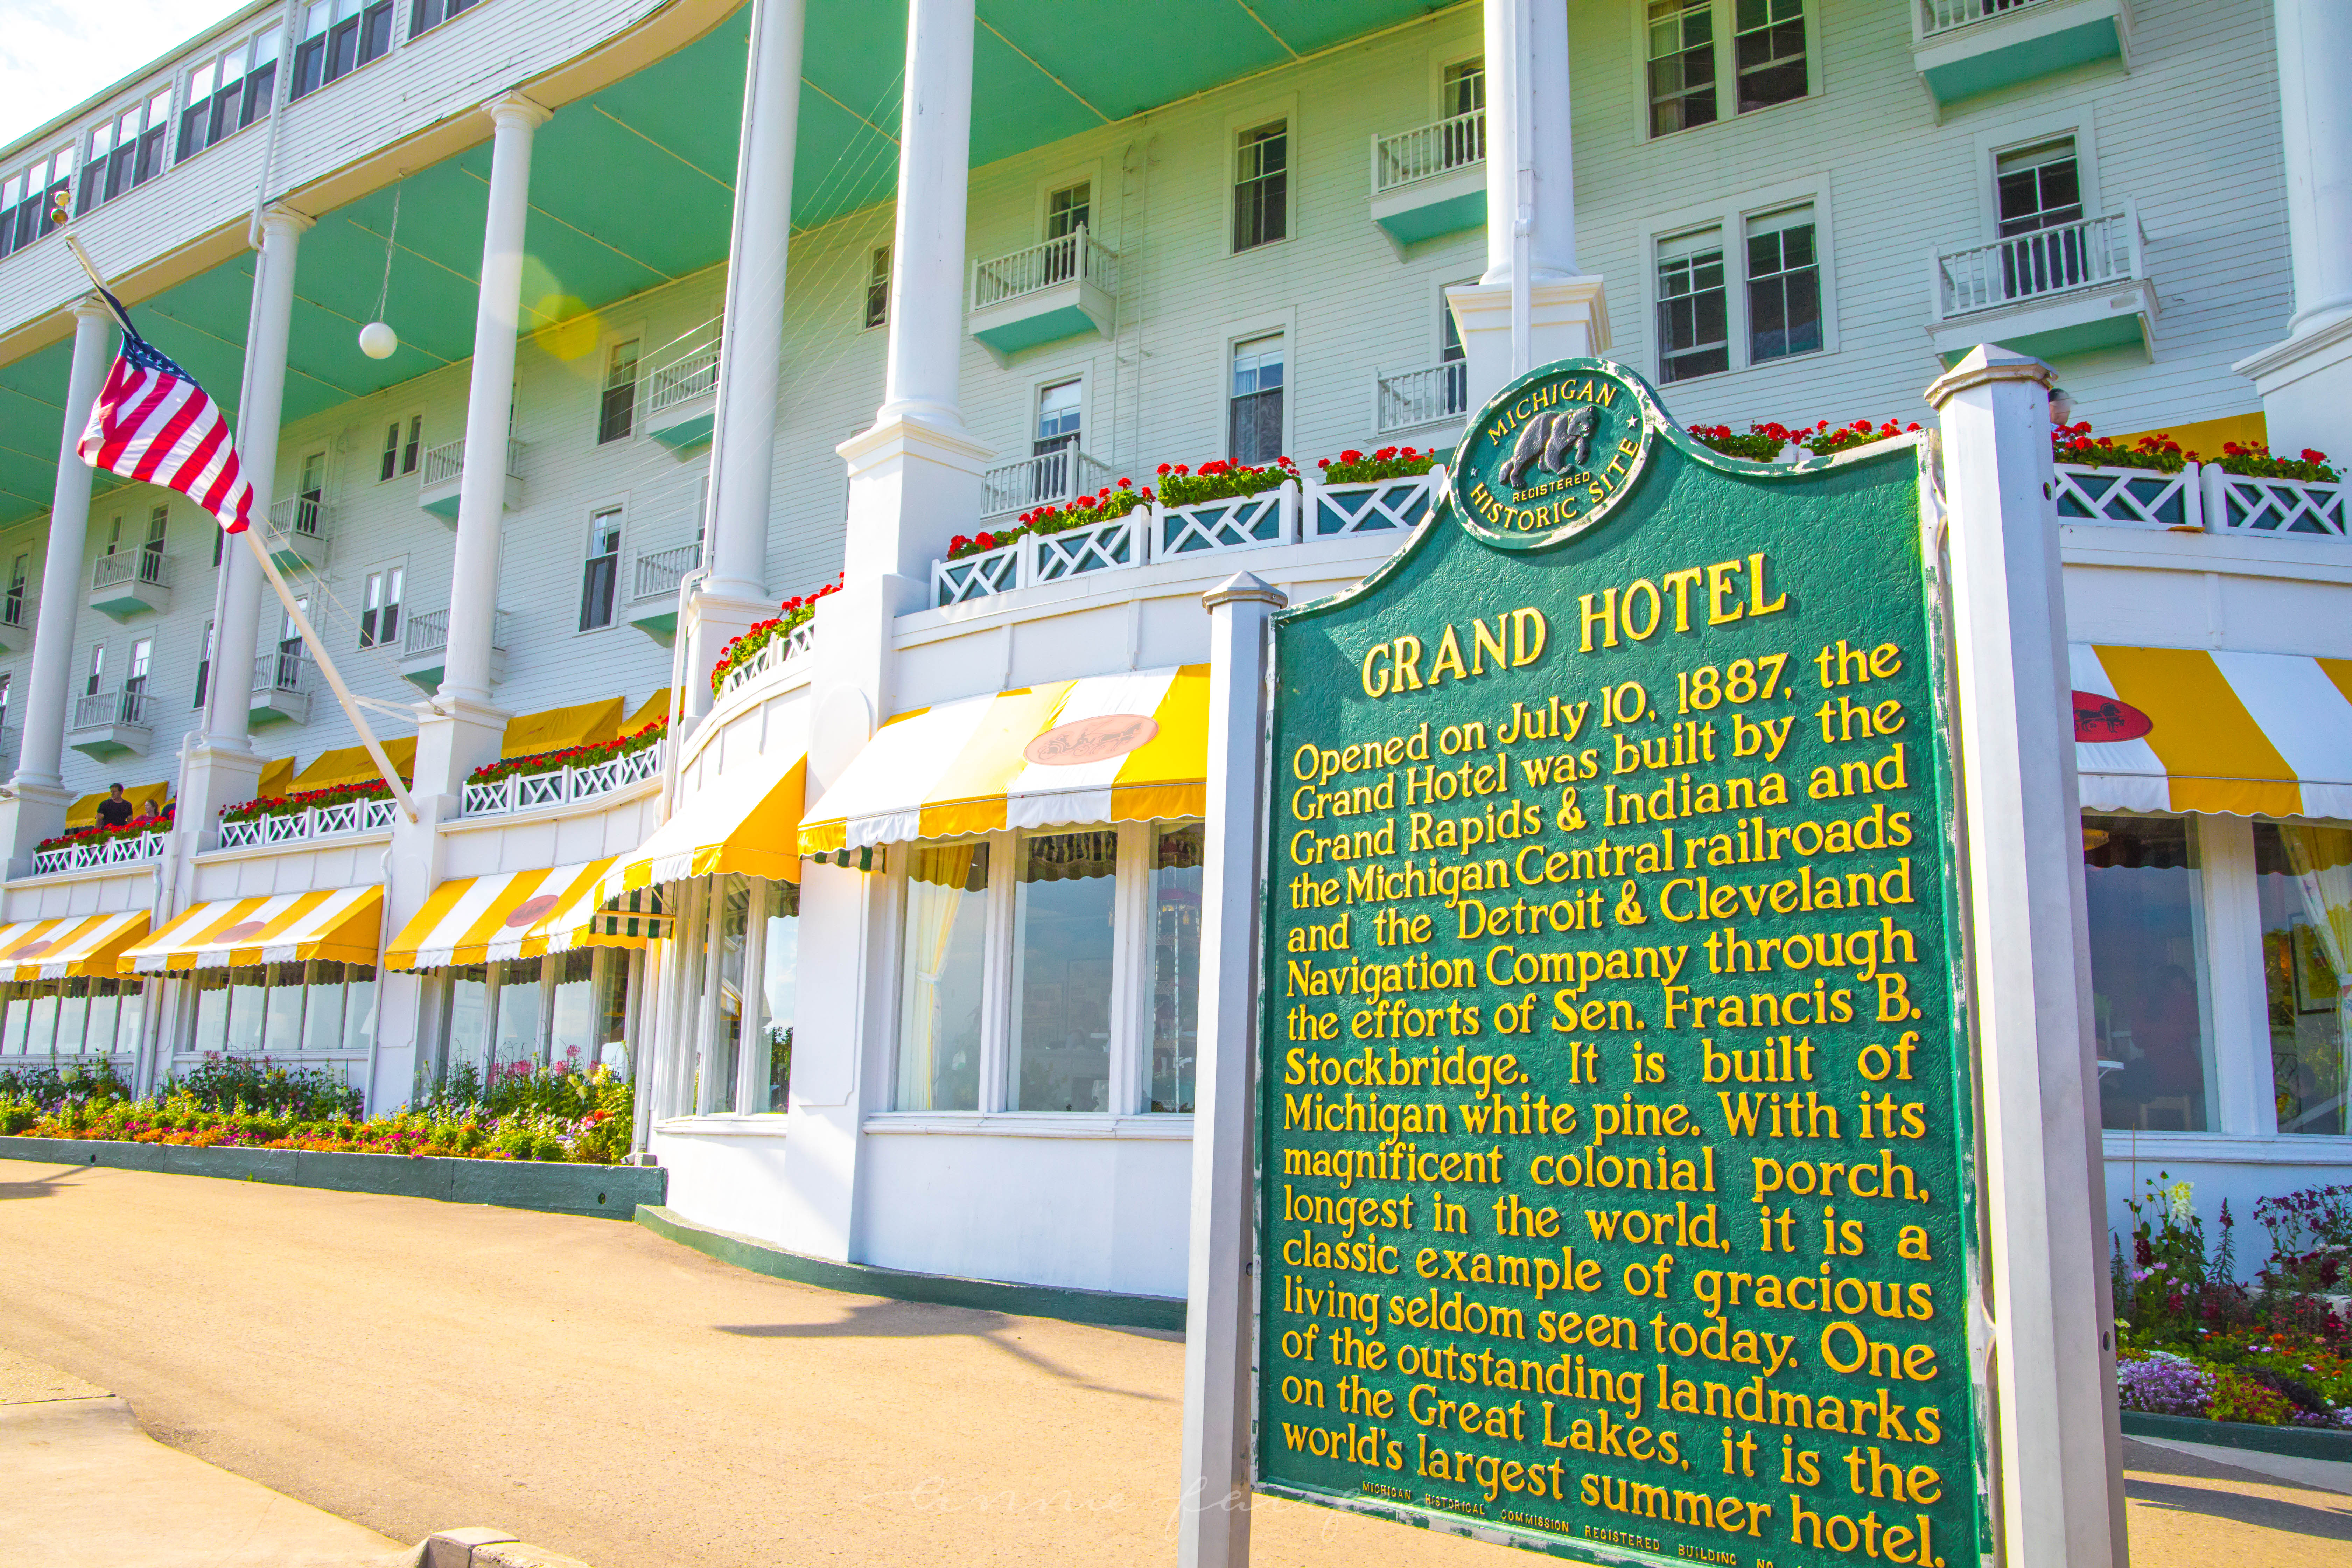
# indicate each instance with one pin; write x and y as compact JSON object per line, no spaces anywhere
{"x":1109,"y":1307}
{"x":687,"y":436}
{"x":1029,"y":331}
{"x":1451,"y":215}
{"x":607,"y":1192}
{"x":2296,"y":1442}
{"x":2041,"y":55}
{"x":2118,"y":332}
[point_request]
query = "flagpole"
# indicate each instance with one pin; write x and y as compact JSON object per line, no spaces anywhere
{"x":286,"y":596}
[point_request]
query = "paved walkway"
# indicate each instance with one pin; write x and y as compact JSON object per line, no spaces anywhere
{"x":411,"y":1365}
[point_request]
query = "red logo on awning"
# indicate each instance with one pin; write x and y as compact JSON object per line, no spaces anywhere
{"x":1094,"y":739}
{"x":2098,"y":718}
{"x":529,"y":911}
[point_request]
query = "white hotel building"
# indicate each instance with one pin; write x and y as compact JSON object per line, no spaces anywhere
{"x":701,"y":304}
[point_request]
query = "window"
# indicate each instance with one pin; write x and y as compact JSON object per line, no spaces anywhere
{"x":1784,"y":286}
{"x":2304,"y":877}
{"x":337,"y":38}
{"x":2145,"y":895}
{"x":126,"y":150}
{"x":1261,"y":185}
{"x":204,"y":666}
{"x":7,"y":682}
{"x":380,"y":606}
{"x":1064,"y":911}
{"x":617,"y":411}
{"x":290,"y":653}
{"x":1254,"y":422}
{"x":97,"y":670}
{"x":134,"y":679}
{"x":1698,"y":47}
{"x":779,"y":990}
{"x":1693,"y":335}
{"x":942,"y":981}
{"x":287,"y":1010}
{"x":877,"y":287}
{"x":28,"y":199}
{"x":1463,"y":88}
{"x":93,"y":1016}
{"x":13,"y":610}
{"x":310,"y":494}
{"x":1175,"y":966}
{"x":229,"y":93}
{"x":402,"y":447}
{"x":2038,"y":187}
{"x":602,"y":575}
{"x":1058,"y":413}
{"x":1068,"y":209}
{"x":522,"y":1013}
{"x":158,"y":523}
{"x":425,"y":15}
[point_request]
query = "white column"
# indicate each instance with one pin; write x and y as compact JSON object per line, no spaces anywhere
{"x":2307,"y":381}
{"x":751,"y":363}
{"x":41,"y":759}
{"x":1531,"y":306}
{"x":1213,"y":1498}
{"x":2060,"y":1450}
{"x":481,"y":492}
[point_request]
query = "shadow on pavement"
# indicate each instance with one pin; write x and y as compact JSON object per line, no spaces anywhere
{"x":906,"y":1320}
{"x":2231,"y":1493}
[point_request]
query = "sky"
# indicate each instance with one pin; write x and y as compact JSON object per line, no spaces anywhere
{"x":56,"y":53}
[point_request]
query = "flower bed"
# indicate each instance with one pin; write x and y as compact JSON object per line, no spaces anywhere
{"x":1765,"y":440}
{"x":1352,"y":468}
{"x":586,"y":756}
{"x":1110,"y":502}
{"x":1181,"y":485}
{"x":300,"y":800}
{"x":555,"y":1113}
{"x":791,"y":615}
{"x":100,"y":835}
{"x":2254,"y":461}
{"x":2075,"y":444}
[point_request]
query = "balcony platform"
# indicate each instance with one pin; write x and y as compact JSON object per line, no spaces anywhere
{"x":1044,"y":294}
{"x":1963,"y":47}
{"x":298,"y":533}
{"x":653,"y":590}
{"x":1430,"y":181}
{"x":281,"y":689}
{"x":15,"y":636}
{"x":130,"y":583}
{"x":444,"y":476}
{"x":680,"y":393}
{"x":2071,"y":289}
{"x":110,"y":724}
{"x":425,"y":648}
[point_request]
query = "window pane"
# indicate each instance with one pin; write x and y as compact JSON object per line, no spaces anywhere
{"x":15,"y":1008}
{"x":41,"y":1034}
{"x":322,"y":1009}
{"x":1261,"y":185}
{"x":2305,"y":879}
{"x":613,"y":1013}
{"x":281,"y":1031}
{"x":516,"y":1041}
{"x":943,"y":966}
{"x":132,"y":997}
{"x":779,"y":989}
{"x":73,"y":1013}
{"x":2147,"y":960}
{"x":1784,"y":289}
{"x":1768,"y":38}
{"x":1682,"y":64}
{"x":1063,"y":922}
{"x":100,"y":1031}
{"x":212,"y":1011}
{"x":726,"y":1047}
{"x":1694,"y":333}
{"x":245,"y":991}
{"x":572,"y":1039}
{"x":1175,"y":966}
{"x":469,"y":1006}
{"x":616,"y":414}
{"x":358,"y":1007}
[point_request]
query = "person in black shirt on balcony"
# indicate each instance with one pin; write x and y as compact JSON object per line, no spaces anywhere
{"x":114,"y":811}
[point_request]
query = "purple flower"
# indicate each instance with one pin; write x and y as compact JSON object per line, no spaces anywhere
{"x":2164,"y":1383}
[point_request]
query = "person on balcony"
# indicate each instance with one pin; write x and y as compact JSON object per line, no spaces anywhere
{"x":114,"y":811}
{"x":149,"y":816}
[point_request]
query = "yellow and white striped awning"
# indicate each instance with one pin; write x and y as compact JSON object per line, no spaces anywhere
{"x":75,"y":944}
{"x":337,"y":923}
{"x":2246,"y":734}
{"x":1107,"y":748}
{"x":748,"y":822}
{"x":515,"y":914}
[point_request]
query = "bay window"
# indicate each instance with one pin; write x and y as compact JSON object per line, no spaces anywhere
{"x":288,"y":1011}
{"x":2145,"y":895}
{"x":568,"y":1009}
{"x":83,"y":1016}
{"x":943,"y":967}
{"x":739,"y":939}
{"x":1064,"y":911}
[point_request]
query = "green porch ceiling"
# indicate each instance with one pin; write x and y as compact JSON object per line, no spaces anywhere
{"x":632,"y":188}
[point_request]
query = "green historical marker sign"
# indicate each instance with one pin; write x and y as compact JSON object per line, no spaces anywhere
{"x":1615,"y":1186}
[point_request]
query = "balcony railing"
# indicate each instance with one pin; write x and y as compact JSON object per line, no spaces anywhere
{"x":1049,"y":478}
{"x":307,"y":516}
{"x":1428,"y":150}
{"x":2090,"y":253}
{"x":1410,"y":398}
{"x":96,"y":854}
{"x":428,"y":632}
{"x":101,"y":709}
{"x":1943,"y":15}
{"x":692,"y":370}
{"x":776,"y":653}
{"x":446,"y":464}
{"x":522,"y":792}
{"x":2201,"y":497}
{"x":1074,"y":257}
{"x":318,"y":822}
{"x":152,"y":567}
{"x":659,"y":572}
{"x":1292,"y":513}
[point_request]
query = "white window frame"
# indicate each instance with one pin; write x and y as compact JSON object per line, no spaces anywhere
{"x":1088,"y":174}
{"x":611,"y":338}
{"x":2015,"y":133}
{"x":888,"y":249}
{"x":398,"y":472}
{"x":1468,"y":45}
{"x":383,"y":569}
{"x":276,"y":30}
{"x":1264,"y":112}
{"x":1731,"y":216}
{"x":1080,"y":370}
{"x":1230,"y":336}
{"x":1726,"y":73}
{"x":616,"y":505}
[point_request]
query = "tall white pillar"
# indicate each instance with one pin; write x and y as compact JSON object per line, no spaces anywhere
{"x":2059,"y":1448}
{"x":1212,"y":1497}
{"x":490,"y":397}
{"x":1531,"y":306}
{"x":2307,"y":381}
{"x":38,"y":810}
{"x":750,"y":362}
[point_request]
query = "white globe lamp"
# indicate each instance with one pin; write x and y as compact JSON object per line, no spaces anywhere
{"x":378,"y":341}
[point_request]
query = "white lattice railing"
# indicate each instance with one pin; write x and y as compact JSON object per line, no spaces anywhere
{"x":131,"y":849}
{"x":523,"y":792}
{"x":316,"y":821}
{"x":658,"y":573}
{"x":1047,"y":479}
{"x":1409,"y":398}
{"x":1943,"y":15}
{"x":774,"y":654}
{"x":1074,"y":256}
{"x":446,"y":464}
{"x":2090,"y":253}
{"x":152,"y":567}
{"x":692,"y":370}
{"x":1428,"y":150}
{"x":1292,"y":513}
{"x":2200,"y":498}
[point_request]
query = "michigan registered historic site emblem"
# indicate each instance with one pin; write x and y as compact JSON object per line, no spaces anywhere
{"x":1545,"y":458}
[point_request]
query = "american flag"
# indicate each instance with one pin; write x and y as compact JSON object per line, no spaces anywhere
{"x":153,"y":423}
